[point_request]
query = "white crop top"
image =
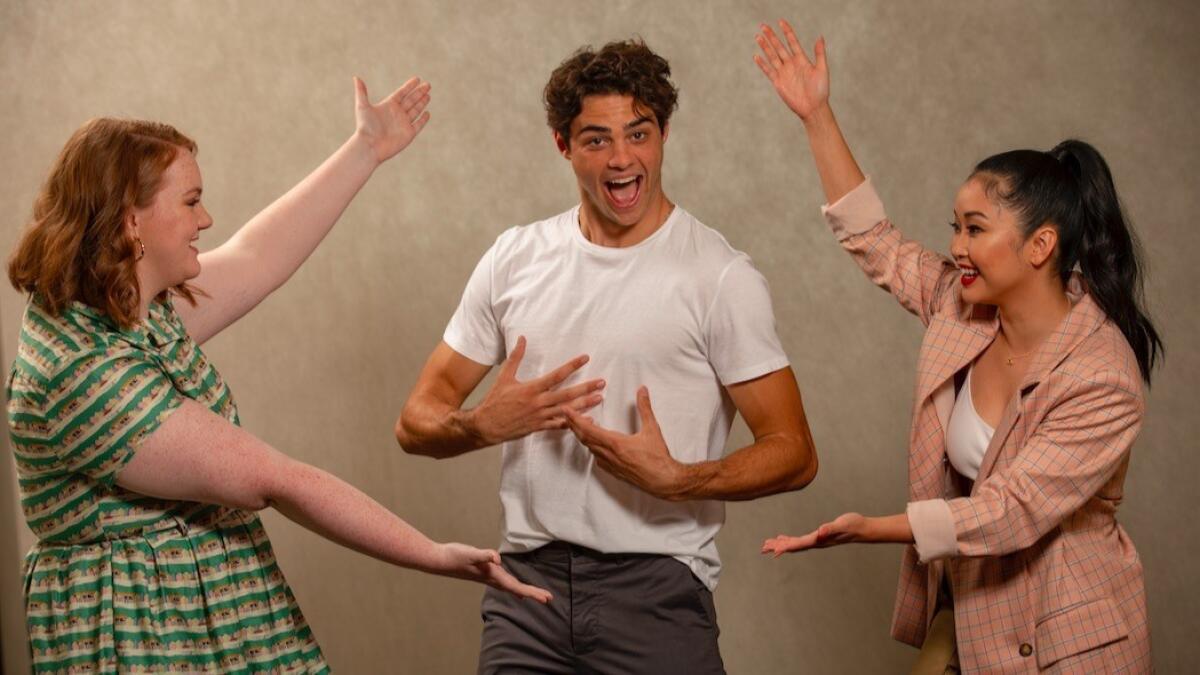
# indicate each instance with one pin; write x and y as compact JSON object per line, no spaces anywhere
{"x":968,"y":437}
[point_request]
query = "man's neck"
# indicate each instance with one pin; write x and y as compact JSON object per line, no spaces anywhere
{"x":603,"y":232}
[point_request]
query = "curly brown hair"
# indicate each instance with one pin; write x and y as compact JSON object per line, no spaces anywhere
{"x":627,"y":67}
{"x":76,"y":248}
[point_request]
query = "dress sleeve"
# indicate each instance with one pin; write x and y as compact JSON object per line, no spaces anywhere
{"x":739,"y":331}
{"x":101,"y":405}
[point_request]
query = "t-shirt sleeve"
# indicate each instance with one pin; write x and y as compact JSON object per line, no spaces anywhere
{"x":473,"y":330}
{"x":740,"y":328}
{"x":102,"y":405}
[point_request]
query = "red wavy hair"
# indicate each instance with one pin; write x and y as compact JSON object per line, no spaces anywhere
{"x":76,"y":247}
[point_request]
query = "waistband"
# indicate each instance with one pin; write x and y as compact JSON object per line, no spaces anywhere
{"x":166,"y":526}
{"x":562,"y":551}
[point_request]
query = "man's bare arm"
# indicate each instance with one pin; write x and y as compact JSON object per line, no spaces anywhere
{"x":434,"y":423}
{"x":782,"y":457}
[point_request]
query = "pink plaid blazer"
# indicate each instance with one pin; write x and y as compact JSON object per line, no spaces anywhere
{"x":1042,"y":576}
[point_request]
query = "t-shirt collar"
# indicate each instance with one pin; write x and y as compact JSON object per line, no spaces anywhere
{"x":613,"y":251}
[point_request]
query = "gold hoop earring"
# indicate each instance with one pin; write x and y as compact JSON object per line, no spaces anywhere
{"x":141,"y":248}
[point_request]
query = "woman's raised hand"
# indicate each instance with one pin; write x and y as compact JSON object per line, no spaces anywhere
{"x":802,"y":84}
{"x":390,"y":125}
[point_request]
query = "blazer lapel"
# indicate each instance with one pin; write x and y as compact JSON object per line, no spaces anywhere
{"x":951,"y":344}
{"x":1083,"y":320}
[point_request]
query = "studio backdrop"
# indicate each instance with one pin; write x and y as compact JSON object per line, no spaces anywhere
{"x":923,"y":90}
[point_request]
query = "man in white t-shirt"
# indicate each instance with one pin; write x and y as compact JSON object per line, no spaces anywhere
{"x":610,"y":502}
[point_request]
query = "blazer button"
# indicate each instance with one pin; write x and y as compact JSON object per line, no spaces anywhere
{"x":1026,"y":649}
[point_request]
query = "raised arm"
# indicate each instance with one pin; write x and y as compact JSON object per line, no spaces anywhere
{"x":781,"y":458}
{"x":916,"y":276}
{"x":434,"y":423}
{"x":266,"y":251}
{"x":198,"y":456}
{"x":804,"y":87}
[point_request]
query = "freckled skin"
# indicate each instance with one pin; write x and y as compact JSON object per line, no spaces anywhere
{"x":170,"y":224}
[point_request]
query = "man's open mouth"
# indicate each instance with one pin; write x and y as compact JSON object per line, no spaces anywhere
{"x":624,"y":192}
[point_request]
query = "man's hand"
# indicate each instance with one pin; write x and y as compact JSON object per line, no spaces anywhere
{"x":641,"y":459}
{"x":515,"y":409}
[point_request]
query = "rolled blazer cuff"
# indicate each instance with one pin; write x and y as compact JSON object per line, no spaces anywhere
{"x":856,"y":212}
{"x":933,"y":529}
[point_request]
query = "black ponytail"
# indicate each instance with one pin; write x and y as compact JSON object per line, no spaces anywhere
{"x":1072,"y":188}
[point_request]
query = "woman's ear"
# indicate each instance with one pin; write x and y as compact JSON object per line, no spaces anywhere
{"x":1040,"y":246}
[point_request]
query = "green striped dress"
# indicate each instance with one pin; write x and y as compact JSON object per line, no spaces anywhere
{"x":119,"y":581}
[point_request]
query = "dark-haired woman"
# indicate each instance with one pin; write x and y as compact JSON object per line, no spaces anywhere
{"x":1029,"y":397}
{"x":135,"y":475}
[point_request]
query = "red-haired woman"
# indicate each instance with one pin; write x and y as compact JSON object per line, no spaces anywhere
{"x":135,"y":474}
{"x":1029,"y":398}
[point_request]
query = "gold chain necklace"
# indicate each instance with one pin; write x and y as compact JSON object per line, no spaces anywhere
{"x":1009,"y":360}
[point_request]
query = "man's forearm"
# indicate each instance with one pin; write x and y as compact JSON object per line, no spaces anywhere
{"x":437,"y":429}
{"x":770,"y":465}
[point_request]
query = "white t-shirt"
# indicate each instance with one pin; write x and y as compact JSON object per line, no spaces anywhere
{"x":681,"y":312}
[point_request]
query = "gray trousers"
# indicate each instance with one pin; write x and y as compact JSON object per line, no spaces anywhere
{"x":611,"y":613}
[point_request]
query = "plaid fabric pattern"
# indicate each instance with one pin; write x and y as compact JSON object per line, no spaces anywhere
{"x":1045,"y":579}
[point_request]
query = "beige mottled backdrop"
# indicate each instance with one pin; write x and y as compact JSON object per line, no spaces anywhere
{"x":924,"y":89}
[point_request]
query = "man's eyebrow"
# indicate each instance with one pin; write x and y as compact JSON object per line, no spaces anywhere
{"x":605,"y":130}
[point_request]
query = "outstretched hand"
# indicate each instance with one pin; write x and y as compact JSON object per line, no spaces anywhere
{"x":802,"y":84}
{"x":390,"y":125}
{"x":846,"y":529}
{"x":642,"y":459}
{"x":483,"y":565}
{"x":513,"y":409}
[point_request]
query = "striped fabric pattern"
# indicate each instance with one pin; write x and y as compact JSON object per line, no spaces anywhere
{"x":119,"y":581}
